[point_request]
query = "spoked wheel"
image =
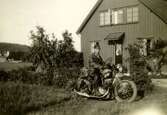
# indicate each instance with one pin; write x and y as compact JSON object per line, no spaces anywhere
{"x":125,"y":91}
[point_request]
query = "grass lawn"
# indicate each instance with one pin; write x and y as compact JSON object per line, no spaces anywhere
{"x":18,"y":98}
{"x":7,"y":66}
{"x":154,"y":103}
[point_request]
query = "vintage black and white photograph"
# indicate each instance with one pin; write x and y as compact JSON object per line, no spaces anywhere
{"x":83,"y":57}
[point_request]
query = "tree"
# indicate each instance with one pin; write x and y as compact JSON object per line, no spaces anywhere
{"x":48,"y":55}
{"x":66,"y":50}
{"x":41,"y":49}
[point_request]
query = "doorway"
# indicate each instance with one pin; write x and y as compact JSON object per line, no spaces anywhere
{"x":118,"y":53}
{"x":116,"y":50}
{"x":115,"y":42}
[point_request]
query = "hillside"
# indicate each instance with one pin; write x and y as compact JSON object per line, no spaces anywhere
{"x":13,"y":47}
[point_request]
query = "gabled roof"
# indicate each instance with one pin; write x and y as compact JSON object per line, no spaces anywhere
{"x":89,"y":16}
{"x":158,"y":7}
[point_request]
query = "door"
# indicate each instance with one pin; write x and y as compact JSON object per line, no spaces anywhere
{"x":109,"y":53}
{"x":118,"y":53}
{"x":114,"y":52}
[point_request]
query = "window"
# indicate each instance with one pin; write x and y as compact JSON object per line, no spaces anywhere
{"x":117,"y":16}
{"x":93,"y":43}
{"x":105,"y":18}
{"x":132,"y":14}
{"x":144,"y":46}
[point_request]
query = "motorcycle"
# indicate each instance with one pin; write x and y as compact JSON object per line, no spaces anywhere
{"x":114,"y":85}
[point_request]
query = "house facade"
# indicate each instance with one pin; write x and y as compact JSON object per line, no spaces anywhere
{"x":117,"y":23}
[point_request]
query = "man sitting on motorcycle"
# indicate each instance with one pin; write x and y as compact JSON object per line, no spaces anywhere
{"x":96,"y":63}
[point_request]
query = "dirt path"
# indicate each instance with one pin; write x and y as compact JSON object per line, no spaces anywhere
{"x":152,"y":104}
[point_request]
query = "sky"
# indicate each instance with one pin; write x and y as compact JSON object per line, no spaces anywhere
{"x":19,"y":17}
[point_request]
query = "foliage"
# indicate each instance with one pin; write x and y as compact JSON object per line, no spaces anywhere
{"x":61,"y":78}
{"x":18,"y":98}
{"x":138,"y":68}
{"x":19,"y":55}
{"x":40,"y":52}
{"x":66,"y":52}
{"x":51,"y":54}
{"x":157,"y":56}
{"x":137,"y":61}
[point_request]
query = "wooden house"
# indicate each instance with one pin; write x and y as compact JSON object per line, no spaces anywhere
{"x":117,"y":23}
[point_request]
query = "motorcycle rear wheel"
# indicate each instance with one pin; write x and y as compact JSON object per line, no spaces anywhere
{"x":125,"y":91}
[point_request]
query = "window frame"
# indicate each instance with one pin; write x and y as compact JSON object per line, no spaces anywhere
{"x":113,"y":22}
{"x":92,"y":46}
{"x":145,"y":46}
{"x":105,"y":17}
{"x":132,"y":14}
{"x":124,"y":17}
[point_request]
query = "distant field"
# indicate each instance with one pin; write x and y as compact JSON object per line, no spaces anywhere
{"x":7,"y":66}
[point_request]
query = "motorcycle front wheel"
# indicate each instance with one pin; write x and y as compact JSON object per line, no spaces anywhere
{"x":125,"y":91}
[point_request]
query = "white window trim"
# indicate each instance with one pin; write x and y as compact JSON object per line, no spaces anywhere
{"x":106,"y":17}
{"x":92,"y":45}
{"x":132,"y":14}
{"x":115,"y":16}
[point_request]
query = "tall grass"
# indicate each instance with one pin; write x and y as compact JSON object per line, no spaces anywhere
{"x":18,"y":98}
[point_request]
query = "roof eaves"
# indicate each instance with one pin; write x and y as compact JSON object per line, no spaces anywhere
{"x":157,"y":7}
{"x":89,"y":16}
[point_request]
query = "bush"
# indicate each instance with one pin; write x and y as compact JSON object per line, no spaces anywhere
{"x":64,"y":77}
{"x":19,"y":55}
{"x":59,"y":78}
{"x":138,"y":69}
{"x":142,"y":80}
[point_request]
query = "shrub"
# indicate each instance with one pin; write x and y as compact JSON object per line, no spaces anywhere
{"x":60,"y":77}
{"x":18,"y":55}
{"x":142,"y":80}
{"x":64,"y":77}
{"x":138,"y":69}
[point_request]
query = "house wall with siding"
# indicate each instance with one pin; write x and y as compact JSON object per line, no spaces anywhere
{"x":149,"y":25}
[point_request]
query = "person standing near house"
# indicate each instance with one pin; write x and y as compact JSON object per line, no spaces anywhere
{"x":96,"y":62}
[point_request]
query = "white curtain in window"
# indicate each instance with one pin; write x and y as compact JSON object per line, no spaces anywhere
{"x":92,"y":46}
{"x":117,"y":16}
{"x":107,"y":17}
{"x":129,"y":15}
{"x":120,"y":16}
{"x":135,"y":14}
{"x":101,"y":18}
